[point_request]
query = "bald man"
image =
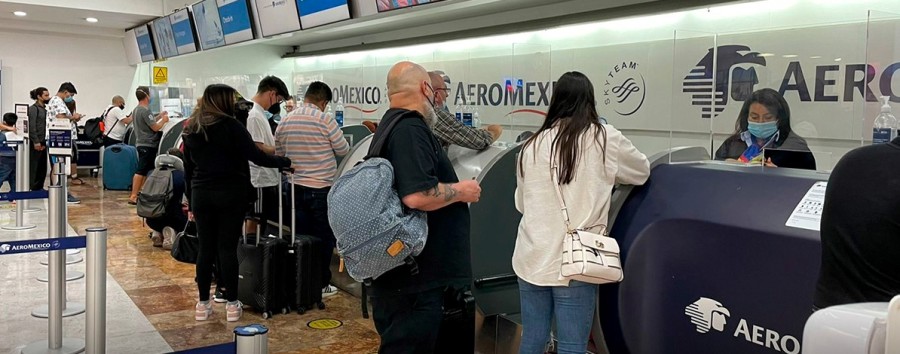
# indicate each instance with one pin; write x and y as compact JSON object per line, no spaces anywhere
{"x":451,"y":131}
{"x":115,"y":120}
{"x":408,"y":307}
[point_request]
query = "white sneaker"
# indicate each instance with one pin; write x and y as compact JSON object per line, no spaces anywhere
{"x":202,"y":311}
{"x":168,"y":237}
{"x":329,"y":290}
{"x":157,"y":239}
{"x":234,"y":310}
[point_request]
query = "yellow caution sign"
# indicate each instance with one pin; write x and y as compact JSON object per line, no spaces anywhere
{"x":160,"y":75}
{"x":324,"y":323}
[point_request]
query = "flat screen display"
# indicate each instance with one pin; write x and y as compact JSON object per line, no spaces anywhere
{"x":145,"y":44}
{"x":320,"y":12}
{"x":387,"y":5}
{"x":235,"y":18}
{"x":164,"y":39}
{"x":183,"y":31}
{"x":277,"y":17}
{"x":208,"y":24}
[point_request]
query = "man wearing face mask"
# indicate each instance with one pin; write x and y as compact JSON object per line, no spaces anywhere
{"x":115,"y":120}
{"x":312,"y":139}
{"x":408,"y":307}
{"x":451,"y":131}
{"x":57,"y":109}
{"x":270,"y":93}
{"x":146,"y":128}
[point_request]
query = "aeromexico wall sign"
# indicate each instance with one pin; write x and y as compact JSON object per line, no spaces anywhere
{"x":736,"y":78}
{"x":623,"y":89}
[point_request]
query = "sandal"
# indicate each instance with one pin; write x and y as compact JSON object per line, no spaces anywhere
{"x":72,"y":180}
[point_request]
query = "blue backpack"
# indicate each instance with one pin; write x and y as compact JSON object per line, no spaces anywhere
{"x":375,"y":232}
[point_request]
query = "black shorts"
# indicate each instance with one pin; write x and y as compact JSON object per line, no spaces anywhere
{"x":268,"y":204}
{"x":74,"y":152}
{"x":146,"y":159}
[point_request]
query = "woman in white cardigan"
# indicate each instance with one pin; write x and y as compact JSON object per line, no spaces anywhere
{"x":590,"y":158}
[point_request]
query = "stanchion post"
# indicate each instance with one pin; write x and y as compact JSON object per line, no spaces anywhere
{"x":21,"y":186}
{"x":55,"y":342}
{"x":95,"y":328}
{"x":28,"y":205}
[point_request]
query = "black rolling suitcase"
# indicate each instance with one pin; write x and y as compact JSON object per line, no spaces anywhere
{"x":260,"y":270}
{"x":303,"y":276}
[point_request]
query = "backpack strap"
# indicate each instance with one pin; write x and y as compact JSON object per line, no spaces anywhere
{"x":103,"y":118}
{"x":381,"y":136}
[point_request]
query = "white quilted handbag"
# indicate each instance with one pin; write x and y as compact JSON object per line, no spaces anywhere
{"x":587,"y":256}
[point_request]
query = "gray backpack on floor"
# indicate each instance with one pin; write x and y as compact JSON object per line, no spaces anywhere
{"x":375,"y":232}
{"x":155,"y":194}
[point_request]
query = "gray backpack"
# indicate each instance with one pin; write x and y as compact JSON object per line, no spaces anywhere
{"x":375,"y":232}
{"x":155,"y":194}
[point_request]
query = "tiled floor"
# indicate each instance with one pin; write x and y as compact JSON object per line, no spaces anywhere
{"x":164,"y":290}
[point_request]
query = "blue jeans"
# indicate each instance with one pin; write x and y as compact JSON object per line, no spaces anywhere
{"x":8,"y":172}
{"x":573,"y":307}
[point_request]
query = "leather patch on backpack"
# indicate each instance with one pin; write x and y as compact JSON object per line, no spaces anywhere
{"x":395,"y":248}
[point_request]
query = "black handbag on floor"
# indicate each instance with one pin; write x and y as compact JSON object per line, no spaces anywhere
{"x":186,"y":245}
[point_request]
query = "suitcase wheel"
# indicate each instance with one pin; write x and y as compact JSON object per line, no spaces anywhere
{"x":321,"y":305}
{"x":301,"y":310}
{"x":285,"y":311}
{"x":267,"y":315}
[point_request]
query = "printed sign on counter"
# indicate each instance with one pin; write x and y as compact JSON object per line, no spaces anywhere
{"x":808,"y":213}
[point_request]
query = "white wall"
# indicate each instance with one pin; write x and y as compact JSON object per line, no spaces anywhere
{"x":97,"y":66}
{"x":240,"y":66}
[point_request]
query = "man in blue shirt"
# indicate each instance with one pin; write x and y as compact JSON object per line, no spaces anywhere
{"x":8,"y":155}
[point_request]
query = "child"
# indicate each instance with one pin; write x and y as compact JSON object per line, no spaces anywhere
{"x":8,"y":154}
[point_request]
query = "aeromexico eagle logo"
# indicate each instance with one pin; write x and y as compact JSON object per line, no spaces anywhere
{"x":735,"y":77}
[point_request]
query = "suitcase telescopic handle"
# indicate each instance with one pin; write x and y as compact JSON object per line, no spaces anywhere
{"x":293,"y":212}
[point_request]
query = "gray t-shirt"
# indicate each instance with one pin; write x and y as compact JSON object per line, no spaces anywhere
{"x":143,"y":120}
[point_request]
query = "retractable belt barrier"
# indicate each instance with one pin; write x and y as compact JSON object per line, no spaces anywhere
{"x":10,"y":196}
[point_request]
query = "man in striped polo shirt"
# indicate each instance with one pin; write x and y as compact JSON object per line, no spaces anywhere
{"x":312,"y":139}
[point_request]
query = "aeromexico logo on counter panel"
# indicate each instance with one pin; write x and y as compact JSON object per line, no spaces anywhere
{"x":707,"y":314}
{"x":736,"y":78}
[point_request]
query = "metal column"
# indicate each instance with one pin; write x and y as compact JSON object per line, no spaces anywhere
{"x":95,"y":326}
{"x":56,"y":343}
{"x":22,"y":184}
{"x":58,"y":221}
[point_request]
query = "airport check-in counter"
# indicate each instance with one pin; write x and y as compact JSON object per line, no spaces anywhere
{"x":710,"y":263}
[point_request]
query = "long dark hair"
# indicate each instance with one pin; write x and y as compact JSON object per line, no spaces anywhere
{"x":574,"y":109}
{"x":217,"y":103}
{"x":37,"y":93}
{"x":775,"y":103}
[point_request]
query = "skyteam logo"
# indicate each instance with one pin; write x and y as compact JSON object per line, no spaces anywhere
{"x":4,"y":248}
{"x":734,"y":68}
{"x":706,"y":313}
{"x":624,"y":88}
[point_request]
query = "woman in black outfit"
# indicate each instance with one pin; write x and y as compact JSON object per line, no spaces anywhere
{"x":217,"y":175}
{"x":37,"y":134}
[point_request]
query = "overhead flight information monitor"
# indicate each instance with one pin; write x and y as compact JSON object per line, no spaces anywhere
{"x":208,"y":24}
{"x":235,"y":18}
{"x":145,"y":44}
{"x":183,"y":31}
{"x":164,"y":39}
{"x":277,"y":17}
{"x":320,"y":12}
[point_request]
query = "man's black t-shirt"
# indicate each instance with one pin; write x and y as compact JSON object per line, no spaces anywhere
{"x":420,"y":164}
{"x":861,"y":228}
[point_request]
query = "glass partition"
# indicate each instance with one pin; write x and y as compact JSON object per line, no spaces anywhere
{"x":883,"y":57}
{"x":698,"y":92}
{"x":528,"y":89}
